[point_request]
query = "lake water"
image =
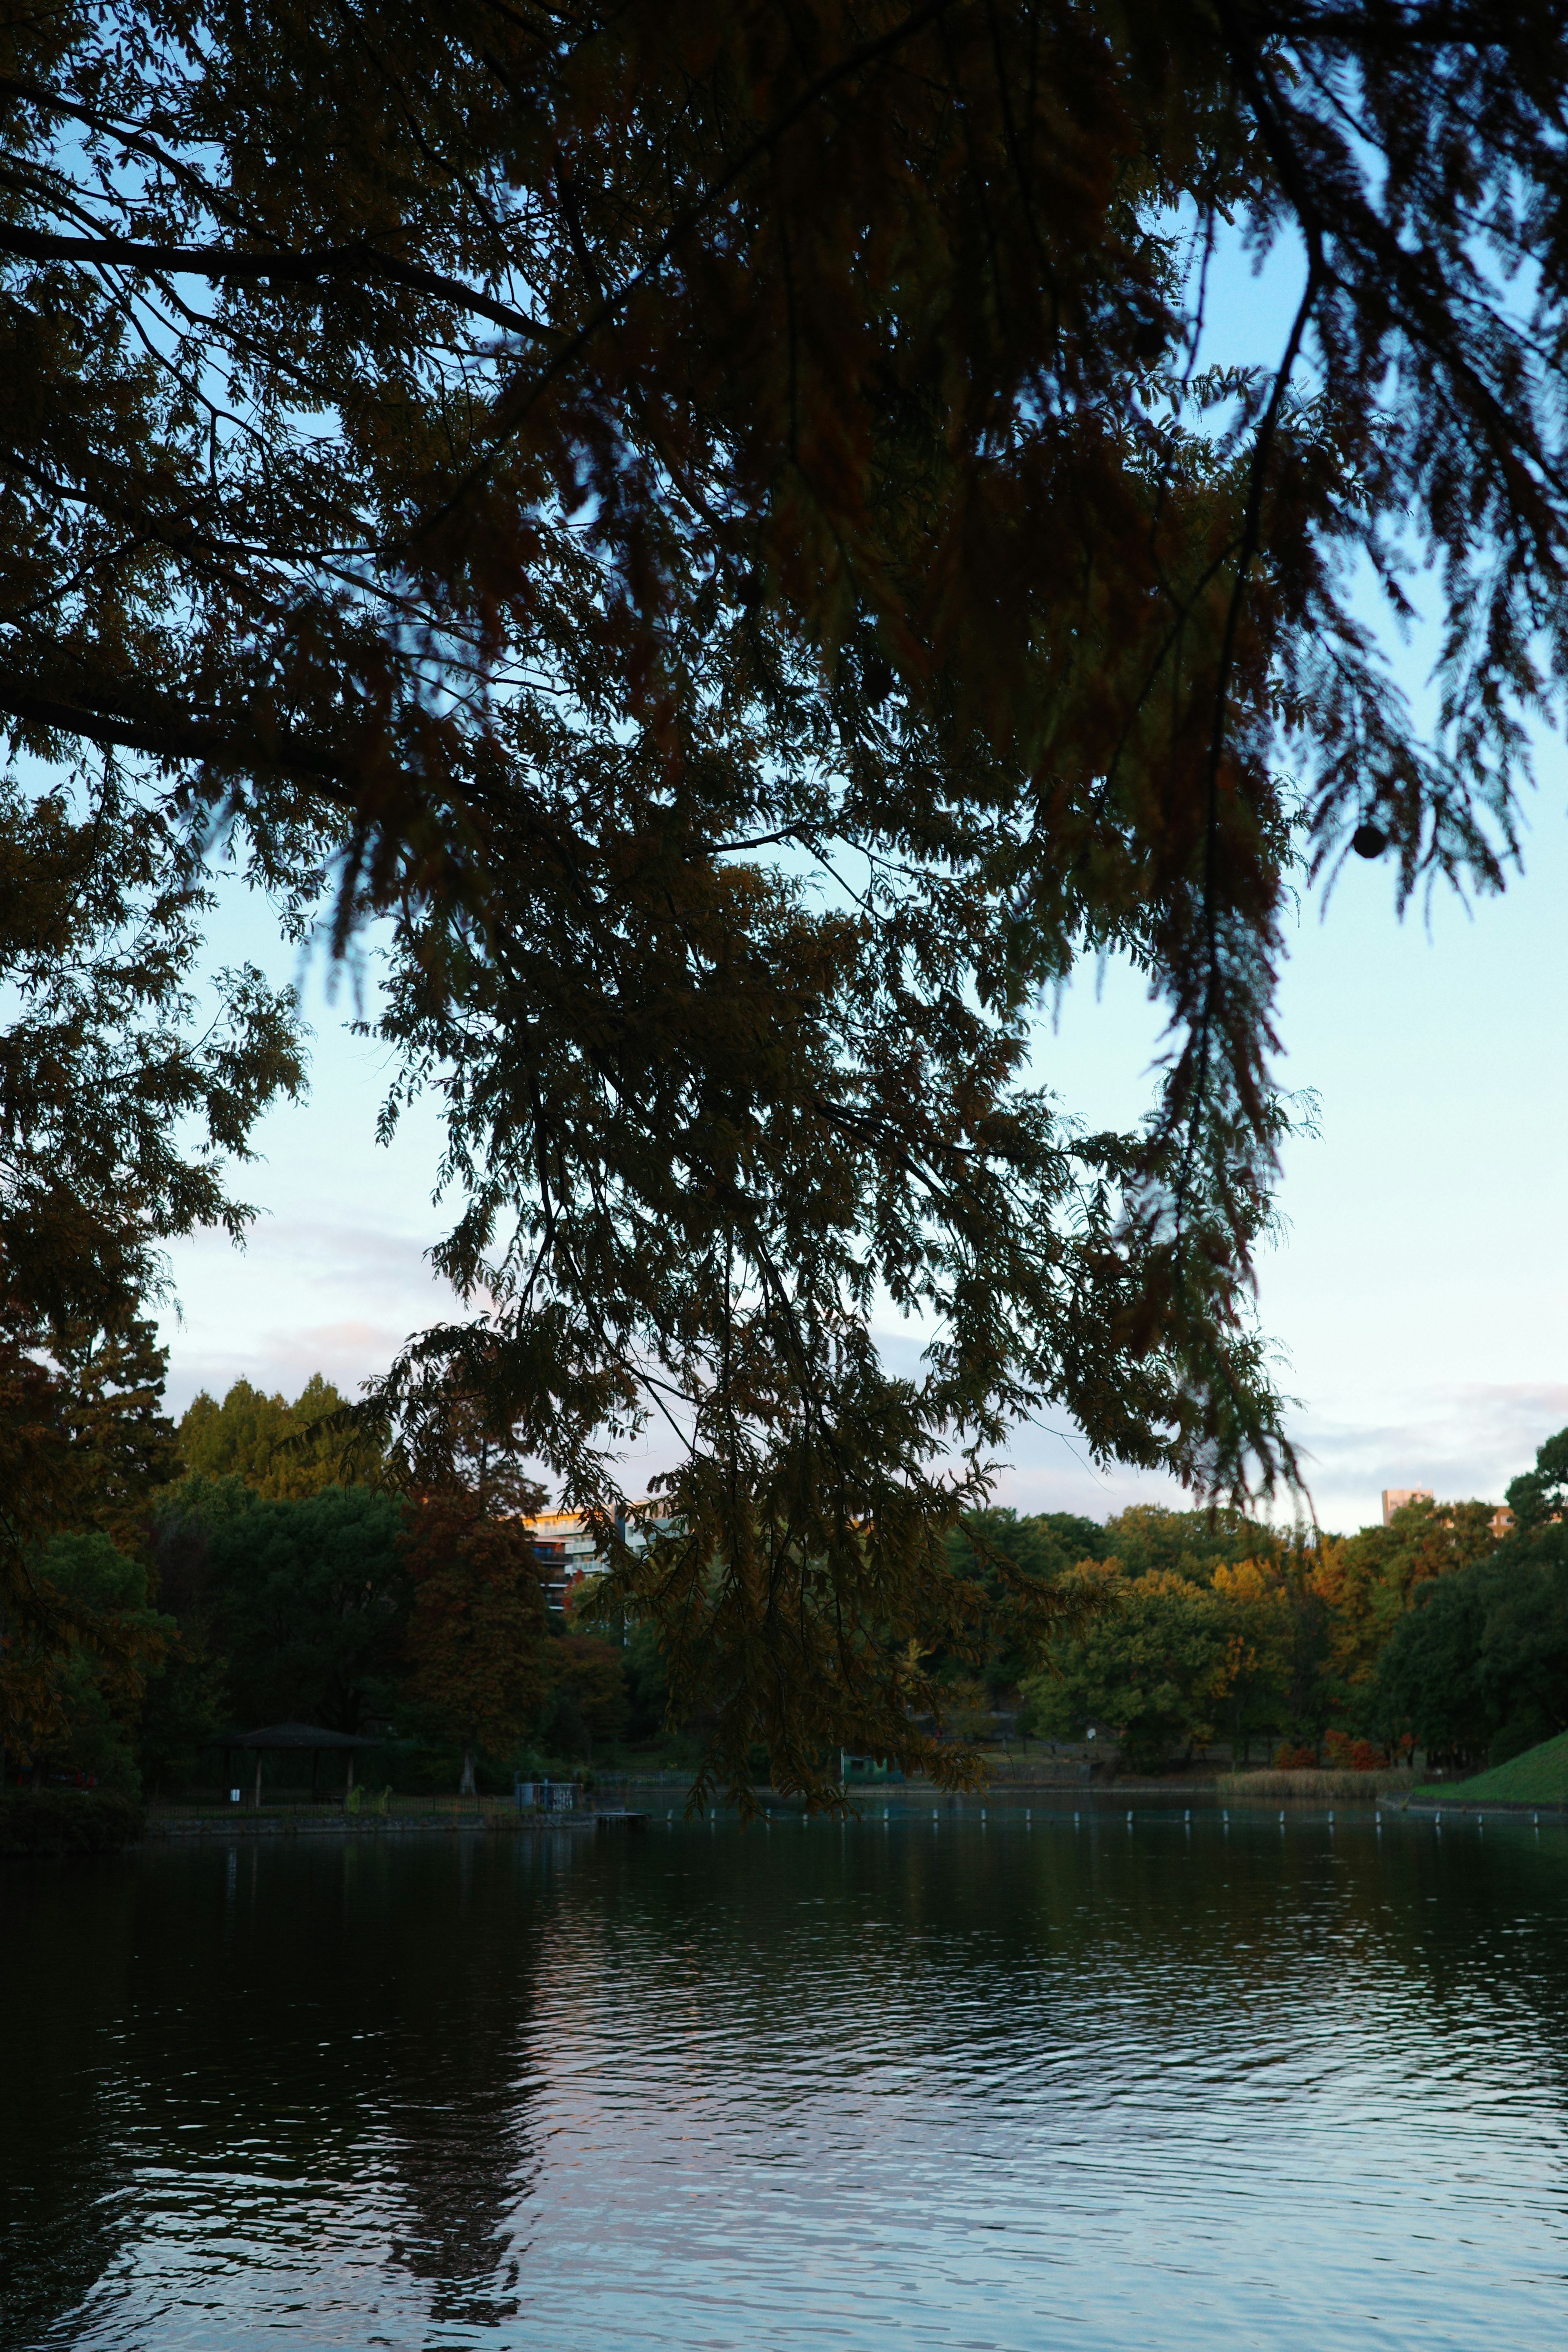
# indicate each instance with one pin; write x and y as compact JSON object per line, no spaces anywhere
{"x":923,"y":2086}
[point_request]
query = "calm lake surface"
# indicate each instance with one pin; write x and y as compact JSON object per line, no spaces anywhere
{"x":923,"y":2086}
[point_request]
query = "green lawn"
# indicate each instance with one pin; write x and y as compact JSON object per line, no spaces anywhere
{"x":1539,"y":1777}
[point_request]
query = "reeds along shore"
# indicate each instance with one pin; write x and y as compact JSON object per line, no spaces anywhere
{"x":1241,"y":1787}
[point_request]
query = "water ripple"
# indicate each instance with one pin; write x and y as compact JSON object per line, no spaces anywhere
{"x":880,"y":2086}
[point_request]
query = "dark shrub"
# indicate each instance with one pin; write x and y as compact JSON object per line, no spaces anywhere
{"x":68,"y":1821}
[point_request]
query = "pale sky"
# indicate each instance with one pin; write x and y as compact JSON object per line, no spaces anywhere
{"x":1419,"y":1294}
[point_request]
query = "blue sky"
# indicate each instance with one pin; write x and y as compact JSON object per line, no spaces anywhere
{"x":1418,"y":1292}
{"x":1418,"y":1289}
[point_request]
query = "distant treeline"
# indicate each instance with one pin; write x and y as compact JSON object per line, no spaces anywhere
{"x":271,"y":1573}
{"x":1352,"y":1650}
{"x":275,"y":1576}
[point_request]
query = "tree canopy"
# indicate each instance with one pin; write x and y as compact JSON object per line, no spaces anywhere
{"x":1541,"y":1494}
{"x":713,"y":522}
{"x":280,"y":1450}
{"x":310,"y":1598}
{"x":1479,"y":1668}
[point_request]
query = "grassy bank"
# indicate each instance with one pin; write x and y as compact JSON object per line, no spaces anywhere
{"x":1539,"y":1777}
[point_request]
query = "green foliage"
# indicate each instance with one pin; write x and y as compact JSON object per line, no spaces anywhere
{"x":647,"y":1683}
{"x":997,"y":1550}
{"x":82,"y":1447}
{"x":476,"y":1634}
{"x":1167,"y":1630}
{"x":1370,"y":1580}
{"x":309,"y":1603}
{"x":1221,"y":1627}
{"x":1535,"y":1775}
{"x":122,"y":1100}
{"x":1542,"y":1494}
{"x":68,"y":1821}
{"x":1152,"y":1668}
{"x":833,"y":485}
{"x":280,"y":1450}
{"x":187,"y":1702}
{"x":1148,"y":1539}
{"x":705,"y":516}
{"x":586,"y":1695}
{"x":85,"y":1683}
{"x":619,"y":469}
{"x":1479,"y":1668}
{"x":122,"y":1103}
{"x":1209,"y":1629}
{"x":185,"y":1711}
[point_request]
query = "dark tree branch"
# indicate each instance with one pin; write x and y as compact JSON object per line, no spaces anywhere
{"x":222,"y":265}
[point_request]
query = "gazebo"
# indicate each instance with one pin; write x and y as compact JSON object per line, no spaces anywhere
{"x":276,"y":1737}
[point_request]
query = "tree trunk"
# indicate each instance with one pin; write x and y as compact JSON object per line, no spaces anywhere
{"x":466,"y":1785}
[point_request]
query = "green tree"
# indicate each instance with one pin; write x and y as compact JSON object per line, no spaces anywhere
{"x":283,"y":1451}
{"x":557,"y":480}
{"x":1156,"y":1667}
{"x":1479,"y":1668}
{"x":476,"y":1631}
{"x":122,"y":1104}
{"x":1369,"y":1581}
{"x":585,"y":1694}
{"x":1148,"y":1539}
{"x":647,"y":1683}
{"x":187,"y":1703}
{"x":1427,"y":1679}
{"x":1542,"y":1494}
{"x":309,"y":1602}
{"x":82,"y":1686}
{"x":1004,"y":1553}
{"x":83,"y":1447}
{"x":1524,"y":1648}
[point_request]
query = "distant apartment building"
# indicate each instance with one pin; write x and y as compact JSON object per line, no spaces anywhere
{"x":566,"y":1549}
{"x":1395,"y":1497}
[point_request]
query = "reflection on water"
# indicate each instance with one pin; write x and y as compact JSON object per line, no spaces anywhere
{"x":936,"y":2085}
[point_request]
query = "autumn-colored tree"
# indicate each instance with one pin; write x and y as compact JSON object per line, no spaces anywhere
{"x":476,"y":1630}
{"x":568,"y":481}
{"x":1367,"y":1581}
{"x":1260,"y":1602}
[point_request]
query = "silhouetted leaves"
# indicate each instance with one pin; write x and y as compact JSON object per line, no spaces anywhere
{"x":712,"y":521}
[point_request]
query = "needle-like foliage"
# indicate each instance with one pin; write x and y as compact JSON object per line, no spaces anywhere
{"x":710,"y":517}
